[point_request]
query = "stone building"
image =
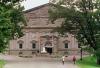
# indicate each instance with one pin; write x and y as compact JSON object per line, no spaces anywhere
{"x":38,"y":38}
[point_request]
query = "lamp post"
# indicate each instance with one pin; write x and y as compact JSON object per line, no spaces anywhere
{"x":81,"y":54}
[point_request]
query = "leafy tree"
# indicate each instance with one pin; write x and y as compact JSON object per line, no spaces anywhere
{"x":11,"y":16}
{"x":80,"y":18}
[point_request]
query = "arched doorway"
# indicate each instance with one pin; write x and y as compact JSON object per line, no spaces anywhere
{"x":49,"y":50}
{"x":48,"y":47}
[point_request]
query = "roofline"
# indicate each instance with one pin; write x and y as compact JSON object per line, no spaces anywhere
{"x":35,"y":8}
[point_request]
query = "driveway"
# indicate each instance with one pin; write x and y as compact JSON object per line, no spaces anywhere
{"x":35,"y":62}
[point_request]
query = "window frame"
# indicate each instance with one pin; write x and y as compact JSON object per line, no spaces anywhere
{"x":65,"y":45}
{"x":20,"y":45}
{"x":33,"y":46}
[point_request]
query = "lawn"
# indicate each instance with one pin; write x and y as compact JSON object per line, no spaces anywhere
{"x":88,"y":62}
{"x":2,"y":63}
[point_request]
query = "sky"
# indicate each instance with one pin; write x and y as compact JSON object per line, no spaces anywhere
{"x":28,"y":4}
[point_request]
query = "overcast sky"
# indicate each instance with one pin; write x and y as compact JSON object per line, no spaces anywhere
{"x":28,"y":4}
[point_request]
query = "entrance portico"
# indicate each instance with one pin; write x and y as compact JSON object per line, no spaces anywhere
{"x":47,"y":48}
{"x":47,"y":44}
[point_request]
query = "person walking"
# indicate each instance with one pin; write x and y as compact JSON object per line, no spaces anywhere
{"x":74,"y":59}
{"x":63,"y":59}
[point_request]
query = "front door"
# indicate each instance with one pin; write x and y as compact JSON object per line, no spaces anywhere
{"x":49,"y":50}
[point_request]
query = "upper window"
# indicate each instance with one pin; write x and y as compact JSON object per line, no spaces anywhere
{"x":66,"y":45}
{"x":20,"y":45}
{"x":33,"y":45}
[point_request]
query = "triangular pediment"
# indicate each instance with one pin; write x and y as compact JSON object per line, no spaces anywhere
{"x":39,"y":17}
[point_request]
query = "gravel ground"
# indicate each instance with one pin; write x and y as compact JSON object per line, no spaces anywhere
{"x":36,"y":62}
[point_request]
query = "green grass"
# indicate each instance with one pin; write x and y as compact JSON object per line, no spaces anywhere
{"x":88,"y":62}
{"x":2,"y":63}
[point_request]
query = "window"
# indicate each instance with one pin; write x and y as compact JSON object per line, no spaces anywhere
{"x":66,"y":45}
{"x":20,"y":45}
{"x":79,"y":46}
{"x":33,"y":45}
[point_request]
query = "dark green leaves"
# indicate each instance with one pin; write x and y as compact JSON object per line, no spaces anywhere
{"x":11,"y":15}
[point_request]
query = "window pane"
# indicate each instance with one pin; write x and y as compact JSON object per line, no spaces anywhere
{"x":66,"y":45}
{"x":33,"y":45}
{"x":20,"y":46}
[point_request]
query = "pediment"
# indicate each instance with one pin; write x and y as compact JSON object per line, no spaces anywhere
{"x":37,"y":12}
{"x":39,"y":17}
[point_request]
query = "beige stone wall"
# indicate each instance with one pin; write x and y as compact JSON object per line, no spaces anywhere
{"x":39,"y":18}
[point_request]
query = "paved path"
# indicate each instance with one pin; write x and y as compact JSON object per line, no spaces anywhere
{"x":17,"y":62}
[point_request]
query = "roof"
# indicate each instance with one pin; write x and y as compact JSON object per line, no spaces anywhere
{"x":32,"y":9}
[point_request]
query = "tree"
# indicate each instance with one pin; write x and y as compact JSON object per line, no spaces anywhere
{"x":11,"y":16}
{"x":81,"y":18}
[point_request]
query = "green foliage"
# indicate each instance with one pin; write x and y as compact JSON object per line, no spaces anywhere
{"x":2,"y":63}
{"x":98,"y":53}
{"x":80,"y":18}
{"x":11,"y":15}
{"x":88,"y":62}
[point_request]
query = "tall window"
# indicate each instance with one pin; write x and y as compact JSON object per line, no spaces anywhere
{"x":33,"y":45}
{"x":20,"y":45}
{"x":66,"y":45}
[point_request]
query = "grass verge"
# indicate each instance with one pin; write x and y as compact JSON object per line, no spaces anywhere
{"x":2,"y":63}
{"x":88,"y":62}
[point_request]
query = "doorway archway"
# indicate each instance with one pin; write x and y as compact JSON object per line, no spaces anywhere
{"x":48,"y":47}
{"x":49,"y":50}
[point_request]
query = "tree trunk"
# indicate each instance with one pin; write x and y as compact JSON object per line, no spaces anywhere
{"x":98,"y":61}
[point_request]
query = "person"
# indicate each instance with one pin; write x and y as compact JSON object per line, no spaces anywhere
{"x":63,"y":59}
{"x":74,"y":59}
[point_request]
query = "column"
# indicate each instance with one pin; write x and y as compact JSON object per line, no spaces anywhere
{"x":38,"y":36}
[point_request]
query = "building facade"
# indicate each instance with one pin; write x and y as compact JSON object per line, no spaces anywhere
{"x":39,"y":39}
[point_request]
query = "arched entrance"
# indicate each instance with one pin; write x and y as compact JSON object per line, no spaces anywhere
{"x":48,"y":47}
{"x":49,"y":50}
